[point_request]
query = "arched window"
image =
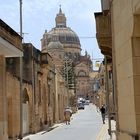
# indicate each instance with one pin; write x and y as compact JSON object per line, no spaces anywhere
{"x":82,"y":73}
{"x":60,"y":56}
{"x":25,"y":96}
{"x":40,"y":94}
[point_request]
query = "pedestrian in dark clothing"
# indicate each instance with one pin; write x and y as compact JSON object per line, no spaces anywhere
{"x":102,"y":109}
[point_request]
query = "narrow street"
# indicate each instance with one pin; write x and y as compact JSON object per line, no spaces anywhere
{"x":85,"y":125}
{"x":59,"y":55}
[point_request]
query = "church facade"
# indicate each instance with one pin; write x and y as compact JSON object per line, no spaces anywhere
{"x":63,"y":44}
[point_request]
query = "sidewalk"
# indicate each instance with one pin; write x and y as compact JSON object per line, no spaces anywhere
{"x":29,"y":137}
{"x":103,"y":134}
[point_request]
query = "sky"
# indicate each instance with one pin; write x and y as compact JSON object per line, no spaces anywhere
{"x":39,"y":15}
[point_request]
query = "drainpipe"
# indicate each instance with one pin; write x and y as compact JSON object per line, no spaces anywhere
{"x":21,"y":72}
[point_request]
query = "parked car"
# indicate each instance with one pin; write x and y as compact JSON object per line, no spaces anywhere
{"x":81,"y":106}
{"x":87,"y":102}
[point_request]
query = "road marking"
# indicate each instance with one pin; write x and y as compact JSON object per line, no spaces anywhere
{"x":102,"y":132}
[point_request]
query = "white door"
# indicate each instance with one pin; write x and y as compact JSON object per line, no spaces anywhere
{"x":25,"y":118}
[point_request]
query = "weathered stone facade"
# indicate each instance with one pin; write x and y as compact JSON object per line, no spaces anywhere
{"x":82,"y":72}
{"x":126,"y":53}
{"x":44,"y":93}
{"x":63,"y":44}
{"x":104,"y":38}
{"x":10,"y":46}
{"x":62,"y":96}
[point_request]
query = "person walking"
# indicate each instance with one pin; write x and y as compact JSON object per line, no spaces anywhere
{"x":103,"y":111}
{"x":67,"y":115}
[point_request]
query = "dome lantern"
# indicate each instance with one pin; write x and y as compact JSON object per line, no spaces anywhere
{"x":60,"y":19}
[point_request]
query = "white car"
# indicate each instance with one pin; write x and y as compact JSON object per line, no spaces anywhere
{"x":87,"y":102}
{"x":81,"y":106}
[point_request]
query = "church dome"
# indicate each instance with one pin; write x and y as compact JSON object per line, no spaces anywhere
{"x":66,"y":34}
{"x":55,"y":43}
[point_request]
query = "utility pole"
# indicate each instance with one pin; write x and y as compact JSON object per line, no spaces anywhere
{"x":21,"y":67}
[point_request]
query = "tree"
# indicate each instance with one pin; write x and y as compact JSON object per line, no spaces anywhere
{"x":68,"y":73}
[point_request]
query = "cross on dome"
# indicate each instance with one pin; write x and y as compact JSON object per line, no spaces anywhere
{"x":60,"y":10}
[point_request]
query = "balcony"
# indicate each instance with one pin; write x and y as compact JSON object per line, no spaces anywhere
{"x":103,"y":35}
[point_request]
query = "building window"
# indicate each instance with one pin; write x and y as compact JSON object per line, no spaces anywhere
{"x":110,"y":74}
{"x":39,"y":84}
{"x":25,"y":96}
{"x":82,"y":73}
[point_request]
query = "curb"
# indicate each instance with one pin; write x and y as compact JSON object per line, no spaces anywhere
{"x":102,"y":132}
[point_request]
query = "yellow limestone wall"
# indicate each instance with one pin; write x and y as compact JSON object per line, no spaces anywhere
{"x":3,"y":110}
{"x":127,"y":52}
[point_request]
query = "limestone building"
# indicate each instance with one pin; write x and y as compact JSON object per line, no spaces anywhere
{"x":124,"y":20}
{"x":44,"y":93}
{"x":126,"y":35}
{"x":63,"y":44}
{"x":10,"y":46}
{"x":42,"y":102}
{"x":39,"y":104}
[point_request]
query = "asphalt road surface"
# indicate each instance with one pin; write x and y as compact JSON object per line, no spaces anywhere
{"x":85,"y":125}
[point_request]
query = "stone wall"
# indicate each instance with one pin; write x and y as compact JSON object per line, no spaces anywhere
{"x":127,"y":65}
{"x":3,"y":101}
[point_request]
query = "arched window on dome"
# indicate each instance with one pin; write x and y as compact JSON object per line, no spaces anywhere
{"x":75,"y":55}
{"x":66,"y":54}
{"x":67,"y":38}
{"x":72,"y":38}
{"x":48,"y":40}
{"x":61,"y":38}
{"x":69,"y":54}
{"x":81,"y":73}
{"x":60,"y":56}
